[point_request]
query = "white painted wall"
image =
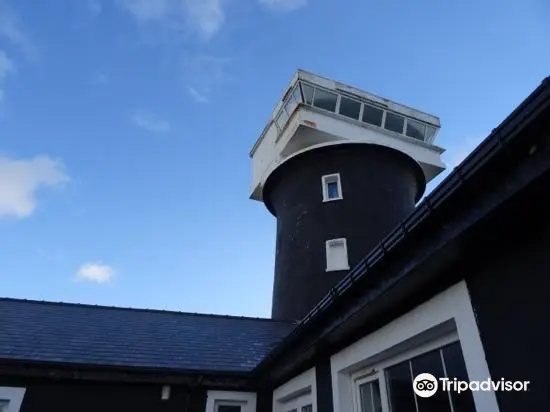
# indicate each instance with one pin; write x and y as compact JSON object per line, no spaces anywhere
{"x":246,"y":399}
{"x":452,"y":304}
{"x":330,"y":129}
{"x":14,"y":396}
{"x":297,"y":392}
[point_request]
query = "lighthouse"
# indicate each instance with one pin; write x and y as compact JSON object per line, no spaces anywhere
{"x":339,"y":168}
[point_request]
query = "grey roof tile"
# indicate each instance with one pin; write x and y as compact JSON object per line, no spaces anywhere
{"x":139,"y":338}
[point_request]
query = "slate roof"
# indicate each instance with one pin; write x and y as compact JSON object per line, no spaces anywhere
{"x":66,"y":333}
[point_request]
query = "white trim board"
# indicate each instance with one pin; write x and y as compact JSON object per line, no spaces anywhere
{"x":302,"y":387}
{"x":451,"y":307}
{"x":14,"y":396}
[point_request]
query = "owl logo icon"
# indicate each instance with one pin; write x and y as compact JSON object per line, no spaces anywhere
{"x":425,"y":385}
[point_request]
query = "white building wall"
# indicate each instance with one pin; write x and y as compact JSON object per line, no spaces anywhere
{"x":451,"y":305}
{"x":296,"y":393}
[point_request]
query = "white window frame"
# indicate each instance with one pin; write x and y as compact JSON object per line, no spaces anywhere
{"x":14,"y":396}
{"x":331,"y":267}
{"x":325,"y":181}
{"x":378,"y":371}
{"x":247,"y":400}
{"x":371,"y":377}
{"x":298,"y":392}
{"x":424,"y":328}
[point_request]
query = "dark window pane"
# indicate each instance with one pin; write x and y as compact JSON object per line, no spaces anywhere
{"x":308,"y":93}
{"x":4,"y":405}
{"x":370,"y":397}
{"x":430,"y":132}
{"x":350,"y":108}
{"x":332,"y":190}
{"x":297,"y":94}
{"x":455,"y":367}
{"x":290,"y":105}
{"x":282,"y":119}
{"x":431,"y":363}
{"x":415,"y":129}
{"x":400,"y":389}
{"x":229,"y":408}
{"x":376,"y":399}
{"x":325,"y":100}
{"x":372,"y":115}
{"x":394,"y":122}
{"x":307,"y":408}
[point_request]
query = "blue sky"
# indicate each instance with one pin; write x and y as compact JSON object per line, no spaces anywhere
{"x":125,"y":127}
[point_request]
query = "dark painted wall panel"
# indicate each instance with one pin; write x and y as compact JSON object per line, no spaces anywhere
{"x":379,"y":189}
{"x":324,"y":385}
{"x":67,"y":396}
{"x":509,"y":293}
{"x":265,"y":400}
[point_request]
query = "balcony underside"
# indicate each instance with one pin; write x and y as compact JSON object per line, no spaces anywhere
{"x":310,"y":128}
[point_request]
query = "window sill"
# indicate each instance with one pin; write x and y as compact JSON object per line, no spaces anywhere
{"x":336,"y":269}
{"x":333,"y":199}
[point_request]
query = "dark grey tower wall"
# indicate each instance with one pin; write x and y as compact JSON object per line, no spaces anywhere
{"x":380,"y":187}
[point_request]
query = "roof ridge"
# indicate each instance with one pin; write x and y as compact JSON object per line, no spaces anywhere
{"x":148,"y":310}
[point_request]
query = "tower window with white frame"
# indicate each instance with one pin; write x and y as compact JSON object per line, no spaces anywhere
{"x":332,"y":187}
{"x":337,"y":254}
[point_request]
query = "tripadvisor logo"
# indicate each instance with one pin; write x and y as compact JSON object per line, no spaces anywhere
{"x":426,"y":385}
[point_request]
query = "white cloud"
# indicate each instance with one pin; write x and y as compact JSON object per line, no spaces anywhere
{"x":95,"y":272}
{"x":95,"y":7}
{"x":200,"y":17}
{"x":284,"y":5}
{"x":206,"y":16}
{"x":7,"y":66}
{"x":150,"y":122}
{"x":146,"y":10}
{"x":10,"y":28}
{"x":200,"y":98}
{"x":201,"y":73}
{"x":459,"y":150}
{"x":20,"y":180}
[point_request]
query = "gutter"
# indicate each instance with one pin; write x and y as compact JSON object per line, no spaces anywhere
{"x":501,"y":137}
{"x":111,"y":373}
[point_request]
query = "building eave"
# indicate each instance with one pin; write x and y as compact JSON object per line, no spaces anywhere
{"x":102,"y":373}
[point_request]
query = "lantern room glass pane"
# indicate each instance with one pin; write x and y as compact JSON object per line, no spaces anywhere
{"x":297,"y":94}
{"x":430,"y":132}
{"x":350,"y":108}
{"x":325,"y":100}
{"x":415,"y":129}
{"x":308,"y":93}
{"x":282,"y":119}
{"x":394,"y":122}
{"x":372,"y":115}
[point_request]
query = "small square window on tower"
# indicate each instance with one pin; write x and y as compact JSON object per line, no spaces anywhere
{"x":332,"y":188}
{"x":337,"y":255}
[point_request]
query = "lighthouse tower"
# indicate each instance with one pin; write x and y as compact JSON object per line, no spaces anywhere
{"x":339,"y":168}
